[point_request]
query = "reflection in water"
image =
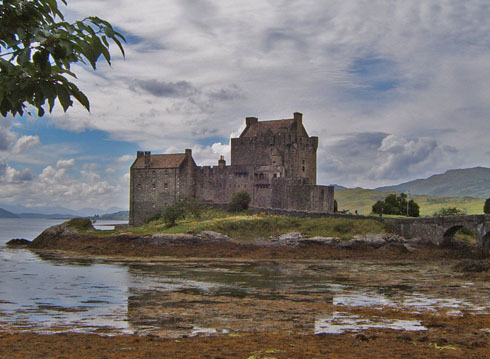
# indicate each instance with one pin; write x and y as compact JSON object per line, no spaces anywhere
{"x":49,"y":292}
{"x":55,"y":295}
{"x":339,"y":323}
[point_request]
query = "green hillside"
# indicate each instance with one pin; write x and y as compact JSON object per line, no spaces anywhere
{"x":469,"y":182}
{"x":362,"y":200}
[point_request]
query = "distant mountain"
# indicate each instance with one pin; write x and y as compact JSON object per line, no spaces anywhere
{"x":469,"y":182}
{"x":6,"y":214}
{"x":57,"y":211}
{"x":337,"y":187}
{"x":41,"y":215}
{"x":120,"y":216}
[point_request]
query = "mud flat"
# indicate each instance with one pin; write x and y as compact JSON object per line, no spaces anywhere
{"x":211,"y":297}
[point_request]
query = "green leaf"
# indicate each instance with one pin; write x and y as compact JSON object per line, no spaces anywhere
{"x":64,"y":96}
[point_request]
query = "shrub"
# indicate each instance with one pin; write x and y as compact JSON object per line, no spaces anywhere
{"x":335,"y":206}
{"x":153,"y":217}
{"x":172,"y":213}
{"x":486,"y":207}
{"x":190,"y":207}
{"x":239,"y":201}
{"x":450,"y":211}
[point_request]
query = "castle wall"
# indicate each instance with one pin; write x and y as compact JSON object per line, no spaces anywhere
{"x":151,"y":189}
{"x":274,"y":161}
{"x":291,"y":195}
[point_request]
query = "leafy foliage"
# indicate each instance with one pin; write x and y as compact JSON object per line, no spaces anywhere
{"x":239,"y":201}
{"x":37,"y":49}
{"x":335,"y":206}
{"x":183,"y":208}
{"x":172,"y":213}
{"x":486,"y":207}
{"x":397,"y":205}
{"x":449,"y":211}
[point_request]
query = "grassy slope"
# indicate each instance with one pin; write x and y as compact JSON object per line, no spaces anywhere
{"x":251,"y":226}
{"x":474,"y":182}
{"x":363,"y":199}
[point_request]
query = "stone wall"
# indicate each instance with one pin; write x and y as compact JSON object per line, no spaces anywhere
{"x":151,"y":189}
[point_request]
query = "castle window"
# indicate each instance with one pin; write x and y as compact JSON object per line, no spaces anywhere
{"x":304,"y":165}
{"x":154,"y":173}
{"x":165,"y":186}
{"x":275,"y":175}
{"x":153,"y":186}
{"x":138,"y":186}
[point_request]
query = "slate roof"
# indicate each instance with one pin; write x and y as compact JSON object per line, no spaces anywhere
{"x":263,"y":126}
{"x":161,"y":161}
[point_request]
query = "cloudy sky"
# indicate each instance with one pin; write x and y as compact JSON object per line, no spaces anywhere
{"x":395,"y":90}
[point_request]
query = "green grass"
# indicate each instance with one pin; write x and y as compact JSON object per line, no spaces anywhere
{"x":363,"y":199}
{"x":81,"y":224}
{"x":247,"y":226}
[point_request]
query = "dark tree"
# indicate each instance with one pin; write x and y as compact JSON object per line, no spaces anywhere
{"x":486,"y":207}
{"x":397,"y":205}
{"x":37,"y":49}
{"x":239,"y":201}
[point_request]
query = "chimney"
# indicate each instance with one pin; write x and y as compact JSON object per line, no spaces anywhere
{"x":188,"y":152}
{"x":221,"y":162}
{"x":147,"y":155}
{"x":251,"y":120}
{"x":139,"y":154}
{"x":298,"y":118}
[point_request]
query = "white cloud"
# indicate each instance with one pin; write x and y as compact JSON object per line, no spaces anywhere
{"x":395,"y":90}
{"x":64,"y":164}
{"x":24,"y":143}
{"x":125,"y":158}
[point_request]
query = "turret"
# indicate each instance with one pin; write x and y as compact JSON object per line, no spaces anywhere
{"x":222,"y":162}
{"x":298,"y":118}
{"x":147,"y":155}
{"x":251,"y":120}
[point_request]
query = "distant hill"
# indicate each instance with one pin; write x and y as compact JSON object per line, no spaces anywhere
{"x":120,"y":216}
{"x":6,"y":214}
{"x":469,"y":182}
{"x":363,"y":199}
{"x":49,"y":216}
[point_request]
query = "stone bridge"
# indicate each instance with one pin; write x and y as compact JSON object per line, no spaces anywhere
{"x":442,"y":229}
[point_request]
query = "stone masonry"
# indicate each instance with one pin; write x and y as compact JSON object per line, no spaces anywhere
{"x":274,"y":161}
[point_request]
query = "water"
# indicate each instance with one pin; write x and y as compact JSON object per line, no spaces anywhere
{"x":57,"y":295}
{"x":56,"y":292}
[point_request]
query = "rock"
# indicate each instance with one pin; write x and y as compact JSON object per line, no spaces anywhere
{"x":292,"y":236}
{"x":472,"y":266}
{"x":18,"y":242}
{"x":405,"y":337}
{"x":163,"y":238}
{"x":213,"y":236}
{"x":352,"y":244}
{"x":362,"y":337}
{"x":330,"y":241}
{"x":403,"y":248}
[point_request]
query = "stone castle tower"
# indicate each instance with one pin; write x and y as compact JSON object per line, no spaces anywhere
{"x":274,"y":161}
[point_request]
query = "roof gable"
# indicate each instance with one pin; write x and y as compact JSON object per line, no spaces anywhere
{"x":274,"y":127}
{"x":161,"y":161}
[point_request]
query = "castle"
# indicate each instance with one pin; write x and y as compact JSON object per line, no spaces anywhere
{"x":274,"y":161}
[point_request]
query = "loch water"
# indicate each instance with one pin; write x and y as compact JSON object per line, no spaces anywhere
{"x":52,"y":292}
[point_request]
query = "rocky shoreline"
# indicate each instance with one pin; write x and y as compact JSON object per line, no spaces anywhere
{"x":209,"y":244}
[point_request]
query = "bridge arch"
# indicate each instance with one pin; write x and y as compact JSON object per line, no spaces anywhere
{"x":448,"y":236}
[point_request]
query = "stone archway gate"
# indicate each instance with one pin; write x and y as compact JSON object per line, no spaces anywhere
{"x":442,"y":229}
